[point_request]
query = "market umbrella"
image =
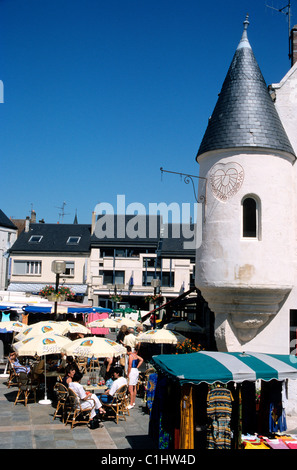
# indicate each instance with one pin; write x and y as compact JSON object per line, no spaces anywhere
{"x":184,"y":326}
{"x":13,"y":326}
{"x":126,"y":321}
{"x":121,"y":311}
{"x":103,"y":323}
{"x":74,"y":327}
{"x":94,"y":347}
{"x":42,"y":345}
{"x":42,"y":327}
{"x":160,"y":336}
{"x":130,"y":310}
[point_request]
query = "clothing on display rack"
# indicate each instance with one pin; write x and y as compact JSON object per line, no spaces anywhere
{"x":219,"y":410}
{"x":25,"y":318}
{"x":5,"y":317}
{"x":187,"y":418}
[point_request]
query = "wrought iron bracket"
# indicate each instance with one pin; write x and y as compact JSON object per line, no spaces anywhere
{"x":187,"y":179}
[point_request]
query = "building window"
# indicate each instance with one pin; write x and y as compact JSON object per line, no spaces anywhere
{"x":167,"y":279}
{"x":69,"y":271}
{"x":250,"y":215}
{"x":149,"y":262}
{"x":147,"y":277}
{"x":112,"y":277}
{"x":35,"y":239}
{"x":29,"y":268}
{"x":73,"y":240}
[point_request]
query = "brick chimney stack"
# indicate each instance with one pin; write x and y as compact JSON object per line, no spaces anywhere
{"x":293,"y":45}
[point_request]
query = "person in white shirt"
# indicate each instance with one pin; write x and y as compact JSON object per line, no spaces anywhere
{"x":85,"y":398}
{"x":131,"y":340}
{"x":118,"y":381}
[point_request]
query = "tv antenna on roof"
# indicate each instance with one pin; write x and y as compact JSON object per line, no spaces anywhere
{"x":287,"y":11}
{"x":62,"y":213}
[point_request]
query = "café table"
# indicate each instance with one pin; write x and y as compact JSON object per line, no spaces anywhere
{"x":95,"y":388}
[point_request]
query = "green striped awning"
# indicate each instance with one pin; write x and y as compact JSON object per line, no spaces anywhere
{"x":210,"y":367}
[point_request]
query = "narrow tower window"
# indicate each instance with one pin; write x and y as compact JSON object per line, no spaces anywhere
{"x":249,"y":218}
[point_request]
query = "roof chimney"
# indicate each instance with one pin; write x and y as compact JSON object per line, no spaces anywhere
{"x":33,"y":217}
{"x":293,"y":45}
{"x":93,"y":222}
{"x":27,"y":224}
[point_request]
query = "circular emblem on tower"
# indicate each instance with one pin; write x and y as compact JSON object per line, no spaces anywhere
{"x":226,"y":180}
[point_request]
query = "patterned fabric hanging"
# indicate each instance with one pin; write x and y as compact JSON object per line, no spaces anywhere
{"x":219,"y":409}
{"x":186,"y":440}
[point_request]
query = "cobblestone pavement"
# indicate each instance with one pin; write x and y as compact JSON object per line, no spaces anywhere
{"x":33,"y":427}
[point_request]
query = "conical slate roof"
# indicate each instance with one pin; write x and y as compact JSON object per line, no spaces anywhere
{"x":245,"y":115}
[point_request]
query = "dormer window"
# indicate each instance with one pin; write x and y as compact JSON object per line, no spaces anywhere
{"x":35,"y":238}
{"x":73,"y":240}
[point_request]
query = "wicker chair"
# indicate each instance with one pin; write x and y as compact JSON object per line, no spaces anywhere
{"x":118,"y":405}
{"x":62,"y":396}
{"x":26,"y":388}
{"x":77,"y":414}
{"x":13,"y":375}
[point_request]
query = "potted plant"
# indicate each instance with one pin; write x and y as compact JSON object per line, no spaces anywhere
{"x":61,"y":294}
{"x":155,"y":299}
{"x":116,"y":297}
{"x":187,"y":346}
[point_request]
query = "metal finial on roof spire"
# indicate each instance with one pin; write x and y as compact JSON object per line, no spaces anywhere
{"x":244,"y":42}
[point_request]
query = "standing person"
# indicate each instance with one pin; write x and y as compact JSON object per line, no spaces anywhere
{"x":134,"y":362}
{"x":121,"y":334}
{"x":153,"y":319}
{"x":130,"y":340}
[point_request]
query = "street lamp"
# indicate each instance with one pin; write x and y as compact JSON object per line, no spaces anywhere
{"x":58,"y":267}
{"x":155,"y":283}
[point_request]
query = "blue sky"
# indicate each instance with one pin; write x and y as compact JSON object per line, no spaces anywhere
{"x":99,"y":94}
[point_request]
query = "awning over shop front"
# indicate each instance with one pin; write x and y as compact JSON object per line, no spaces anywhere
{"x":51,"y":309}
{"x":78,"y":289}
{"x":210,"y":367}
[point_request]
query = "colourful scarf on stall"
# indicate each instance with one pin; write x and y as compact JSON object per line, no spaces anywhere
{"x":186,"y":438}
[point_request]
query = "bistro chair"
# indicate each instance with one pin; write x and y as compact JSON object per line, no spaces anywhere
{"x":26,"y":388}
{"x":81,"y":362}
{"x":13,"y":375}
{"x":62,"y":396}
{"x":77,"y":414}
{"x":118,"y":405}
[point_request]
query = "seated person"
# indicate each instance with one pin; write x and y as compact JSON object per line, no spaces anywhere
{"x":18,"y":367}
{"x":69,"y":374}
{"x":84,"y":397}
{"x":62,"y":363}
{"x":118,"y":381}
{"x":38,"y":369}
{"x":71,"y":361}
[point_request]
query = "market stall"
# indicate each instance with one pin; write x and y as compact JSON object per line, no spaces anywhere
{"x":215,"y":398}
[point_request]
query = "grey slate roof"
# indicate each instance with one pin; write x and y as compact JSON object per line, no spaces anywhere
{"x":54,"y":239}
{"x":126,"y":230}
{"x":176,"y":241}
{"x":244,"y":115}
{"x":5,"y":221}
